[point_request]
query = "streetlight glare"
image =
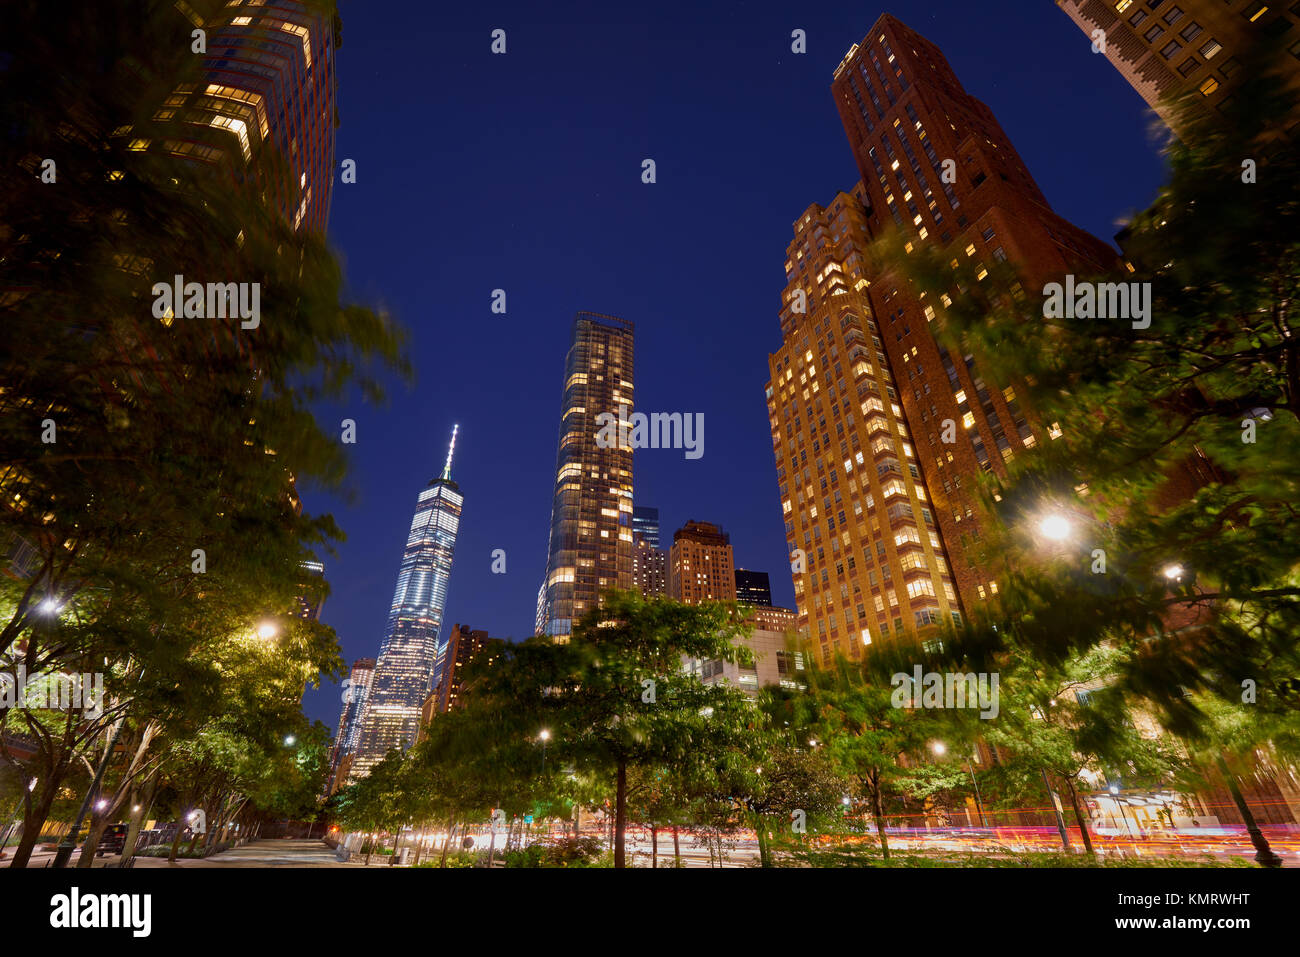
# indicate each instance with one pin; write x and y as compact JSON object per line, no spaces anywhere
{"x":1173,"y":572}
{"x":267,"y":630}
{"x":940,"y":748}
{"x":1055,"y":527}
{"x":545,"y":735}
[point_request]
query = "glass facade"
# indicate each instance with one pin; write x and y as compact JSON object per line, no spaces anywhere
{"x":590,"y":548}
{"x":405,"y":672}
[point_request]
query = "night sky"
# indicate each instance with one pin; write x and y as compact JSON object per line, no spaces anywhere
{"x":523,"y":172}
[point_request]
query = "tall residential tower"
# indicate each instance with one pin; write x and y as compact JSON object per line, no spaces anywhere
{"x":590,"y":546}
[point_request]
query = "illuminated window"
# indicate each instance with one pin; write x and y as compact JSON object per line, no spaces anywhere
{"x":1211,"y":48}
{"x":1254,"y":11}
{"x":1209,"y":86}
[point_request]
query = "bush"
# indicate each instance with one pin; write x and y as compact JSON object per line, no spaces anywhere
{"x":454,"y":859}
{"x":534,"y":855}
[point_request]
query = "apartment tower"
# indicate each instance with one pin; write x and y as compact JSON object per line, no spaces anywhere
{"x":1167,"y":50}
{"x":590,"y":545}
{"x":701,"y":565}
{"x":937,"y":166}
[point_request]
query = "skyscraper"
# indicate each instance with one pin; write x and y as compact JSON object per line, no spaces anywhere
{"x":405,"y":671}
{"x":269,"y":71}
{"x":348,"y":734}
{"x":912,"y":127}
{"x":645,"y":525}
{"x":464,"y":646}
{"x":753,"y":588}
{"x":866,"y":558}
{"x":701,"y":565}
{"x":649,"y":569}
{"x":590,"y":545}
{"x":1165,"y":49}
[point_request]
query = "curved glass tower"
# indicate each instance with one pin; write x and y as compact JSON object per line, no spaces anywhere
{"x":590,"y":545}
{"x":404,"y":673}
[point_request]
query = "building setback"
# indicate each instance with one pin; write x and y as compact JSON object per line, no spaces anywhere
{"x":590,"y":546}
{"x":406,"y":669}
{"x":905,"y":112}
{"x":1167,"y":50}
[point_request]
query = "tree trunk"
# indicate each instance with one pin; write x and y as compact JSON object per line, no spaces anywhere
{"x":492,"y":842}
{"x":677,"y":849}
{"x":654,"y":846}
{"x":764,"y":859}
{"x":34,"y":816}
{"x":1264,"y":855}
{"x":397,"y":839}
{"x":620,"y":817}
{"x":446,"y":841}
{"x":419,"y":847}
{"x":133,"y":824}
{"x":1078,"y":816}
{"x":878,"y":812}
{"x":98,"y":824}
{"x":176,"y":842}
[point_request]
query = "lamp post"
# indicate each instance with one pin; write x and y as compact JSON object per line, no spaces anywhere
{"x":544,"y":737}
{"x":941,"y":749}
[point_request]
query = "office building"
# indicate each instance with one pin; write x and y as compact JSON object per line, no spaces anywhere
{"x":753,"y":588}
{"x":405,"y":671}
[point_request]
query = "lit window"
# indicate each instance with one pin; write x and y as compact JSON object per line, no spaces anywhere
{"x":1211,"y":48}
{"x":1254,"y":11}
{"x":1209,"y":86}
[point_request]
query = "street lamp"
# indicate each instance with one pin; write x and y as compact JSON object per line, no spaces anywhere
{"x":1057,"y":528}
{"x":267,"y":630}
{"x":1173,"y":572}
{"x":545,"y":736}
{"x":290,"y":741}
{"x":941,"y":749}
{"x":1114,"y":793}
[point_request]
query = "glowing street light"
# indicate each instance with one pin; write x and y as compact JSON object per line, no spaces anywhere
{"x":51,"y":606}
{"x":290,"y":741}
{"x":939,"y":748}
{"x":1173,"y":572}
{"x":267,"y":630}
{"x":1057,"y":528}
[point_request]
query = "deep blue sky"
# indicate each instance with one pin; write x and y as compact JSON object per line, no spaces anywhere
{"x":523,"y":172}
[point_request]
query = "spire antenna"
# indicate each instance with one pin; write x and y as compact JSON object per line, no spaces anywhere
{"x":451,"y":450}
